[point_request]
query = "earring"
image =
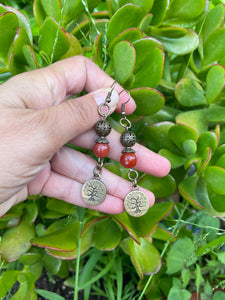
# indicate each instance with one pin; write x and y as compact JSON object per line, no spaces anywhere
{"x":136,"y":202}
{"x":93,"y":190}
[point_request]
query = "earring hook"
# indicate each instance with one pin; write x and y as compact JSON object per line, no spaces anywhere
{"x":123,"y":104}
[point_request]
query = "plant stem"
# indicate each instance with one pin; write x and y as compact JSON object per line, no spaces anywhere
{"x":164,"y":249}
{"x":77,"y":264}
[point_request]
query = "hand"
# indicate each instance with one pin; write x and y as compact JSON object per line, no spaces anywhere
{"x":36,"y":122}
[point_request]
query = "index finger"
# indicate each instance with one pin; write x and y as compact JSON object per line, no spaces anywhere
{"x":51,"y":85}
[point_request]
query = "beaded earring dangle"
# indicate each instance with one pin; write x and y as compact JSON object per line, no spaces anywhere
{"x":136,"y":202}
{"x":93,"y":190}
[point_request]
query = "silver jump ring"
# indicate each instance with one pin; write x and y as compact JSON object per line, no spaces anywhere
{"x":124,"y":122}
{"x":130,"y":176}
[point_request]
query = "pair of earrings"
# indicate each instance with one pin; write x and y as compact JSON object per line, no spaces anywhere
{"x":136,"y":203}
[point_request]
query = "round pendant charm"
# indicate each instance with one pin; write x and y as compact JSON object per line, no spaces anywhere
{"x":136,"y":203}
{"x":93,"y":191}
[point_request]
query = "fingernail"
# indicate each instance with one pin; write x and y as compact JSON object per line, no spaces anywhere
{"x":100,"y":97}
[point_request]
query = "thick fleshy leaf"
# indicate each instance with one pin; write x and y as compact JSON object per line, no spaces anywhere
{"x":53,"y":40}
{"x":204,"y":200}
{"x":130,"y":35}
{"x":74,"y":9}
{"x":187,"y":190}
{"x":74,"y":46}
{"x":163,"y":235}
{"x":61,"y":235}
{"x":16,"y":240}
{"x":212,"y":21}
{"x":124,"y":220}
{"x":143,"y":48}
{"x":216,"y":200}
{"x":123,"y":61}
{"x":185,"y":9}
{"x":146,"y":224}
{"x":159,"y":10}
{"x":215,"y":113}
{"x":148,"y":101}
{"x":98,"y":53}
{"x":195,"y":119}
{"x":207,"y":139}
{"x":60,"y":206}
{"x":214,"y":47}
{"x":30,"y":258}
{"x":128,"y":16}
{"x":107,"y":235}
{"x":215,"y":177}
{"x":44,"y":9}
{"x":189,"y":93}
{"x":175,"y":160}
{"x":206,"y":158}
{"x":178,"y":41}
{"x":146,"y":5}
{"x":156,"y":136}
{"x":87,"y":241}
{"x":8,"y":28}
{"x":145,"y":257}
{"x":215,"y":81}
{"x":221,"y":161}
{"x":180,"y":135}
{"x":150,"y":73}
{"x":145,"y":22}
{"x":181,"y":253}
{"x":161,"y":187}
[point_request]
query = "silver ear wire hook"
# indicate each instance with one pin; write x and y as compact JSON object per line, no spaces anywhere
{"x":123,"y":104}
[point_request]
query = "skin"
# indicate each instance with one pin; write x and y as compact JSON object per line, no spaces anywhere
{"x":36,"y":121}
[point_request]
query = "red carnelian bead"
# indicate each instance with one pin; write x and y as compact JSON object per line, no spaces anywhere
{"x":128,"y":160}
{"x":101,"y":150}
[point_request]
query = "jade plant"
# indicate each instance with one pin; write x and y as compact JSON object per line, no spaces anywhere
{"x":170,"y":55}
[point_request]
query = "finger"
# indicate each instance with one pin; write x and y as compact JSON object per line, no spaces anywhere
{"x":49,"y":86}
{"x":147,"y":160}
{"x":79,"y":167}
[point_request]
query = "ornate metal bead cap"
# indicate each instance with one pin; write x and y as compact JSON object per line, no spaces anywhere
{"x":103,"y":128}
{"x":128,"y":138}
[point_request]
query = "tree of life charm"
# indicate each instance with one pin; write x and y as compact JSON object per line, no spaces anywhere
{"x":93,"y":191}
{"x":136,"y":203}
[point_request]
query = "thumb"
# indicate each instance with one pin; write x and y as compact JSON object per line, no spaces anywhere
{"x":73,"y":117}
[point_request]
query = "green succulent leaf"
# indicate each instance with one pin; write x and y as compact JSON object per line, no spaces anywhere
{"x":124,"y":57}
{"x":107,"y":235}
{"x":185,"y":9}
{"x":146,"y":5}
{"x":130,"y":35}
{"x":44,"y":9}
{"x":145,"y":257}
{"x":184,"y":137}
{"x":150,"y":74}
{"x":161,"y":187}
{"x":8,"y":28}
{"x":145,"y":22}
{"x":175,"y":160}
{"x":159,"y":11}
{"x":216,"y":200}
{"x":143,"y":48}
{"x":195,"y":119}
{"x":163,"y":235}
{"x":16,"y":240}
{"x":215,"y":81}
{"x":146,"y":224}
{"x":215,"y":113}
{"x":213,"y":47}
{"x":53,"y":40}
{"x":176,"y":40}
{"x":187,"y":190}
{"x":202,"y":196}
{"x":207,"y":139}
{"x":128,"y":16}
{"x":148,"y":101}
{"x":7,"y":280}
{"x":189,"y":93}
{"x":215,"y":177}
{"x":213,"y":20}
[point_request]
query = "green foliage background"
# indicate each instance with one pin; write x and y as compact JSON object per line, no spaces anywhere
{"x":170,"y":55}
